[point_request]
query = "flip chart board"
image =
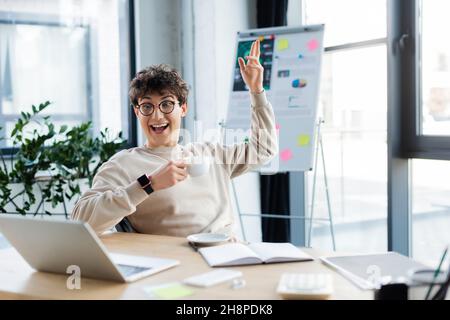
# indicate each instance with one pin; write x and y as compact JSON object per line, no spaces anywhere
{"x":292,"y":59}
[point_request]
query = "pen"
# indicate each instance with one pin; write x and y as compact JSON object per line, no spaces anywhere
{"x":436,"y":273}
{"x":442,"y":292}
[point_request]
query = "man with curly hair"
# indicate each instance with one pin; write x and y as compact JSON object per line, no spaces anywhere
{"x":149,"y":186}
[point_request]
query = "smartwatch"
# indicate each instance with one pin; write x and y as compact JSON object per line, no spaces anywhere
{"x":145,"y":183}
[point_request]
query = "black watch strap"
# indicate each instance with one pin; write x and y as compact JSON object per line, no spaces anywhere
{"x":145,"y":183}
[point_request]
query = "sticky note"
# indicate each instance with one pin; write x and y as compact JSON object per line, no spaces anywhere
{"x":284,"y":73}
{"x":303,"y":83}
{"x":261,"y":38}
{"x":282,"y":44}
{"x":299,"y":83}
{"x":303,"y":140}
{"x":286,"y":155}
{"x":169,"y":291}
{"x":313,"y":45}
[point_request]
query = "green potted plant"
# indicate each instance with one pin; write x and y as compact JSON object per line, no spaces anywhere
{"x":58,"y":162}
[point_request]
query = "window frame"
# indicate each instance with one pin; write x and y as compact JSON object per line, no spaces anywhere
{"x":416,"y":145}
{"x":405,"y":140}
{"x":132,"y":121}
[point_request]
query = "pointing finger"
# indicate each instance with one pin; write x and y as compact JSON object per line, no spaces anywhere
{"x":252,"y":61}
{"x":252,"y":50}
{"x":241,"y":64}
{"x":258,"y":49}
{"x":256,"y":59}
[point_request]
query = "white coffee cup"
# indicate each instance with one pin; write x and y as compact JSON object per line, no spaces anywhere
{"x":197,"y":166}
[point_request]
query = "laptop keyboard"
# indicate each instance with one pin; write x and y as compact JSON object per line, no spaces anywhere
{"x":131,"y":270}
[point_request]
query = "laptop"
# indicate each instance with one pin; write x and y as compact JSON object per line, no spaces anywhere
{"x":54,"y":246}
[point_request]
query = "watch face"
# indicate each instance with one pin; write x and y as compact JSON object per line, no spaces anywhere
{"x":143,"y":180}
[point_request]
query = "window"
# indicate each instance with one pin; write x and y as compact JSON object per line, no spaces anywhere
{"x":347,"y":21}
{"x":353,"y":104}
{"x":431,"y":209}
{"x":75,"y":54}
{"x":435,"y":61}
{"x":426,"y":91}
{"x":424,"y":109}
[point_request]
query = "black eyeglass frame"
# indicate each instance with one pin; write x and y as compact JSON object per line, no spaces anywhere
{"x":138,"y":106}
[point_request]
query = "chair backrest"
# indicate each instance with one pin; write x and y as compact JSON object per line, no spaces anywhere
{"x":125,"y":226}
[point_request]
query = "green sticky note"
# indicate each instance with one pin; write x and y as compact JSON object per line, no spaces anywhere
{"x":282,"y":44}
{"x":303,"y":140}
{"x":170,"y":291}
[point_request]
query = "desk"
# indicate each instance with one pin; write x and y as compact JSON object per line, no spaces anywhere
{"x":19,"y":281}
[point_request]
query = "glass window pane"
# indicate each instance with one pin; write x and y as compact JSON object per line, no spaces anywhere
{"x":354,"y":107}
{"x":72,"y":53}
{"x":435,"y":68}
{"x":431,"y":209}
{"x":347,"y":20}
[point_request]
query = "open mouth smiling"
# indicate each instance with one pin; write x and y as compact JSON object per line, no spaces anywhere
{"x":159,"y":128}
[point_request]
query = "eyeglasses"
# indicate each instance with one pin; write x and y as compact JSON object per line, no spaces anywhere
{"x":165,"y":106}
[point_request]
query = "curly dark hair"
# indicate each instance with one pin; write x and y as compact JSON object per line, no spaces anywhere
{"x":160,"y":78}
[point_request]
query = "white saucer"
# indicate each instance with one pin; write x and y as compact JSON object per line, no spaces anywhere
{"x":208,"y":238}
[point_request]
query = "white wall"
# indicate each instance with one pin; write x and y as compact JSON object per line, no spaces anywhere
{"x":158,"y":36}
{"x":216,"y":25}
{"x":294,"y":13}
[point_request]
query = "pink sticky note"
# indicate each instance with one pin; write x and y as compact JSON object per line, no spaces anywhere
{"x":286,"y":155}
{"x":313,"y":45}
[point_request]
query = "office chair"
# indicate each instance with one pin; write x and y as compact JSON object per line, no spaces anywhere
{"x":125,"y":226}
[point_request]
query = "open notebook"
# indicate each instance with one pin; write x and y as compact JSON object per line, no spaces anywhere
{"x":234,"y":254}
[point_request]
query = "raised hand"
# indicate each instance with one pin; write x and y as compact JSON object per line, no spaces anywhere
{"x":253,"y":71}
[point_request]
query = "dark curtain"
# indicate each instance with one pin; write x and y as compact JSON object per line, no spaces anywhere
{"x":271,"y":13}
{"x":274,"y":188}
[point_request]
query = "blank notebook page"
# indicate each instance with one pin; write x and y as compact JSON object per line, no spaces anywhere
{"x":226,"y":253}
{"x":281,"y":251}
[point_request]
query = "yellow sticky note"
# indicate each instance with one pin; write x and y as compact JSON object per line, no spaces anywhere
{"x":261,"y":38}
{"x":282,"y":44}
{"x":174,"y":291}
{"x":303,"y":140}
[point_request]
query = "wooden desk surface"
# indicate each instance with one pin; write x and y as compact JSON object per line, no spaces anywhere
{"x":19,"y":281}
